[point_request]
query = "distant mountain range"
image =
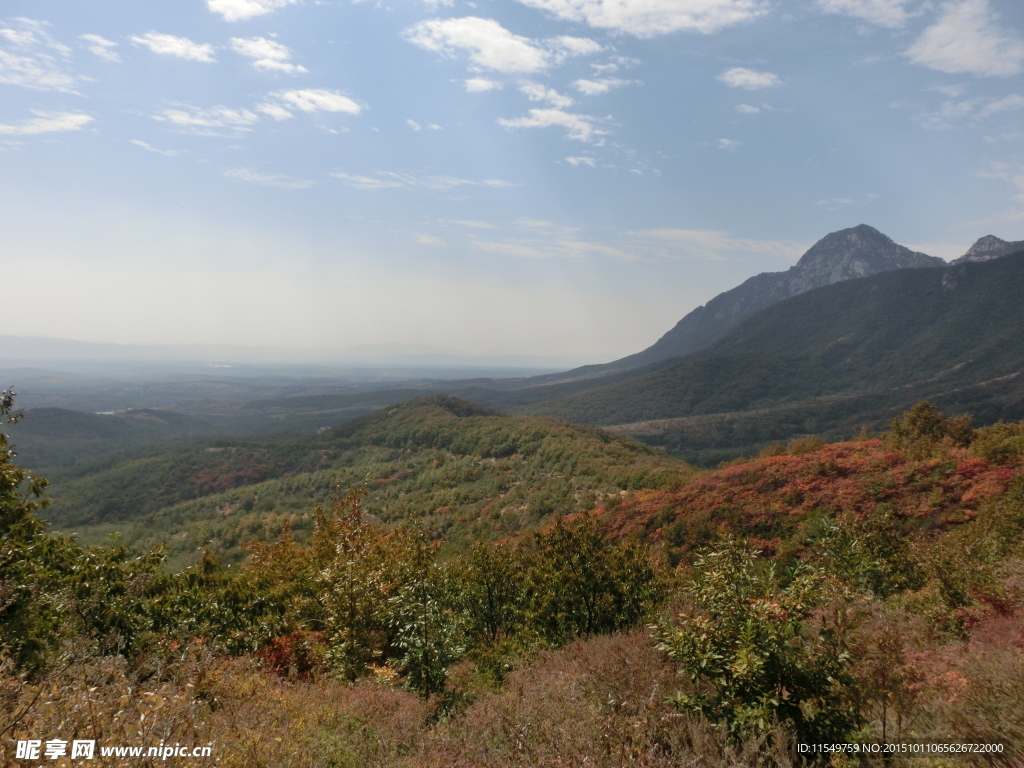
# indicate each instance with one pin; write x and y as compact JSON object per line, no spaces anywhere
{"x":860,"y":328}
{"x":844,"y":255}
{"x":855,"y":352}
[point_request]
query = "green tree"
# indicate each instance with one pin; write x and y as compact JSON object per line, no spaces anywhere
{"x":757,"y":652}
{"x":582,"y":583}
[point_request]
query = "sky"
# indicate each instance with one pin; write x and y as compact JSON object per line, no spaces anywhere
{"x":564,"y":178}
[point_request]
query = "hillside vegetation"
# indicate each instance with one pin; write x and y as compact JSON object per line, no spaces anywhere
{"x":461,"y":470}
{"x":857,"y":592}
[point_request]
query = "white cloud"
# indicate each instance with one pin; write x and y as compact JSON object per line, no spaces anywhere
{"x":884,"y":13}
{"x":746,"y":109}
{"x":275,"y":111}
{"x":195,"y":119}
{"x":101,"y":47}
{"x":648,"y":18}
{"x":169,"y":45}
{"x":615,"y":64}
{"x":966,"y":39}
{"x":240,"y":10}
{"x":319,"y":100}
{"x":481,"y":84}
{"x":468,"y":223}
{"x":490,"y":46}
{"x":1013,"y":101}
{"x":951,"y":113}
{"x":835,"y":204}
{"x":414,"y":125}
{"x":393,"y":180}
{"x":538,"y":92}
{"x":579,"y":127}
{"x":266,"y":54}
{"x":429,"y":240}
{"x":267,"y":179}
{"x":148,"y":148}
{"x":28,"y":59}
{"x":594,"y":87}
{"x":566,"y":47}
{"x":1014,"y":176}
{"x":581,"y":161}
{"x":47,"y":122}
{"x":728,"y":144}
{"x":741,"y":77}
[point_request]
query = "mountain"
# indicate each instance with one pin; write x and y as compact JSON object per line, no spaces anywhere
{"x":849,"y":253}
{"x":989,"y":247}
{"x":837,"y":356}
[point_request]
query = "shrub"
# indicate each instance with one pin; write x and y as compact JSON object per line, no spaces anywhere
{"x":1000,"y":443}
{"x":758,"y":652}
{"x":924,"y":431}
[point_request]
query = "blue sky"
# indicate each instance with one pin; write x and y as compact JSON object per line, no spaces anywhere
{"x":555,"y":177}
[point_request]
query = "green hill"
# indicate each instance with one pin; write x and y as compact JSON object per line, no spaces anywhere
{"x":854,"y":352}
{"x":462,"y":470}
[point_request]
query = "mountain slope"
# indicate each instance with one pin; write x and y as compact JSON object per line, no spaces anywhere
{"x":891,"y":337}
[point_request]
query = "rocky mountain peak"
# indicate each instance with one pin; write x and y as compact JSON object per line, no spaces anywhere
{"x":849,"y":253}
{"x":989,"y":247}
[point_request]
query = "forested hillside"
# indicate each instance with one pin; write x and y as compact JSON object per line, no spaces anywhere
{"x":459,"y":469}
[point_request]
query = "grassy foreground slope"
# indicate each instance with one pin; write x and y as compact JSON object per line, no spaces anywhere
{"x":460,"y":469}
{"x":860,"y":349}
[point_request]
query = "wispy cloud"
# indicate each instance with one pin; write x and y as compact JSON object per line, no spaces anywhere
{"x":835,"y":204}
{"x":180,"y":47}
{"x":1012,"y":102}
{"x":148,"y":148}
{"x":481,"y":84}
{"x":605,"y":84}
{"x":648,"y":18}
{"x":741,"y":77}
{"x":197,"y":120}
{"x":393,"y":180}
{"x":578,"y":127}
{"x":267,"y":55}
{"x":431,"y":241}
{"x":581,"y":161}
{"x":490,"y":46}
{"x":275,"y":111}
{"x":967,"y":39}
{"x":47,"y":122}
{"x":240,"y":10}
{"x":32,"y":58}
{"x":538,"y":92}
{"x":884,"y":13}
{"x":319,"y":100}
{"x":746,"y":109}
{"x":711,"y":245}
{"x":101,"y":47}
{"x":467,"y":223}
{"x":728,"y":144}
{"x":249,"y":176}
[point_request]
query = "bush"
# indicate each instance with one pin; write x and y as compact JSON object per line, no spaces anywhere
{"x":924,"y":431}
{"x":757,"y":652}
{"x":1000,"y":443}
